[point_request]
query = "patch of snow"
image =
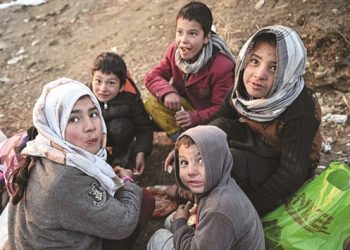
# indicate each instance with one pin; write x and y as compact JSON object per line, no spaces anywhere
{"x":21,"y":2}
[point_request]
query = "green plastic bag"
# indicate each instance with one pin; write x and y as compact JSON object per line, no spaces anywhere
{"x":316,"y":217}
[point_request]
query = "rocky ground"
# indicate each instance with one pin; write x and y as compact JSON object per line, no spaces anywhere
{"x":61,"y":38}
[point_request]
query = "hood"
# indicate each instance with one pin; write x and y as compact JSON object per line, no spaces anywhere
{"x":212,"y":144}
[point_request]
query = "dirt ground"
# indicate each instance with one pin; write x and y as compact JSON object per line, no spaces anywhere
{"x":60,"y":38}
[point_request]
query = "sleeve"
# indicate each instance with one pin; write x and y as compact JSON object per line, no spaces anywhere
{"x":144,"y":129}
{"x":157,"y":80}
{"x":297,"y":138}
{"x":226,"y":115}
{"x":84,"y":206}
{"x":214,"y":231}
{"x":221,"y":81}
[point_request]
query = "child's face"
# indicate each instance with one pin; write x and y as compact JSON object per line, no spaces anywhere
{"x":189,"y":38}
{"x":105,"y":86}
{"x":259,"y":74}
{"x":191,"y":168}
{"x":84,"y":128}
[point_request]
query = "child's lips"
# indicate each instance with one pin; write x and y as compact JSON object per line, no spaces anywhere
{"x":256,"y":85}
{"x":92,"y":141}
{"x":184,"y":50}
{"x":103,"y":95}
{"x":195,"y":183}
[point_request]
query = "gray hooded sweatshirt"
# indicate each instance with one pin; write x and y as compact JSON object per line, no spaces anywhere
{"x":226,"y":217}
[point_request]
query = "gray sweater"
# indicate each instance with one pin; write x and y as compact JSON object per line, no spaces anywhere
{"x":65,"y":209}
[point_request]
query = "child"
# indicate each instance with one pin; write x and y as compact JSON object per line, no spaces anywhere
{"x":225,"y":218}
{"x":271,"y":118}
{"x":65,"y":195}
{"x":192,"y":79}
{"x":122,"y":110}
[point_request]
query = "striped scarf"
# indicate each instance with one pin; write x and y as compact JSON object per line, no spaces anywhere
{"x":289,"y":82}
{"x":205,"y":55}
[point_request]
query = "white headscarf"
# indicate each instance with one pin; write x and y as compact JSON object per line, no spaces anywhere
{"x":289,"y":82}
{"x":50,"y":117}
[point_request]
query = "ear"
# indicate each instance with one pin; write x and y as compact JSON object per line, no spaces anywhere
{"x":207,"y":38}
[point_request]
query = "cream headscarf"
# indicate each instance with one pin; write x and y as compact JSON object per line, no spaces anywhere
{"x":289,"y":82}
{"x":50,"y":117}
{"x":205,"y":55}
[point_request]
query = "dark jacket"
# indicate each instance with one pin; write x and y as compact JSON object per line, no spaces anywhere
{"x":273,"y":159}
{"x":126,"y":119}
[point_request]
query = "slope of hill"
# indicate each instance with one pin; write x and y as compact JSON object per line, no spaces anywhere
{"x":61,"y":38}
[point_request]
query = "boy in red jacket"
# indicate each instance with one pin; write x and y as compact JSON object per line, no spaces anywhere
{"x":191,"y":81}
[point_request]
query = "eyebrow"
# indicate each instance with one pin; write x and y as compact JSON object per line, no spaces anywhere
{"x":259,"y":57}
{"x":76,"y":111}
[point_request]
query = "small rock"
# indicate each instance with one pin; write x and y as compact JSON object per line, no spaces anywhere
{"x":53,"y":43}
{"x":15,"y":60}
{"x":3,"y":45}
{"x":259,"y":4}
{"x":335,"y":118}
{"x":21,"y":51}
{"x":35,"y":42}
{"x":4,"y":79}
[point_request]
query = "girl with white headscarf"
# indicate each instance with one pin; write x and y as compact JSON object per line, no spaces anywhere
{"x":271,"y":118}
{"x":65,"y":195}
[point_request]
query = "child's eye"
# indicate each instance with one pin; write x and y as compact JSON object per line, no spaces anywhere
{"x":183,"y":163}
{"x":73,"y":119}
{"x":111,"y":83}
{"x":94,"y":114}
{"x":179,"y":32}
{"x":97,"y":81}
{"x":193,"y":33}
{"x":254,"y":61}
{"x":273,"y":68}
{"x":199,"y":161}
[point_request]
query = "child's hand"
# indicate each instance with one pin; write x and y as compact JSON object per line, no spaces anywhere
{"x":169,"y":161}
{"x":183,"y":119}
{"x":172,"y":101}
{"x":140,"y":164}
{"x":121,"y":172}
{"x":182,"y":211}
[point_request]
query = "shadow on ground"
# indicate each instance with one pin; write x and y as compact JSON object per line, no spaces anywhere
{"x":154,"y":175}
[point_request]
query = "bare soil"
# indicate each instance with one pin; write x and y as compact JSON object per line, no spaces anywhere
{"x":60,"y":38}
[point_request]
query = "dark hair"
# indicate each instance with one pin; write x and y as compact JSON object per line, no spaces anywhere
{"x":20,"y":176}
{"x":266,"y":37}
{"x":198,"y":12}
{"x":184,"y":140}
{"x":108,"y":63}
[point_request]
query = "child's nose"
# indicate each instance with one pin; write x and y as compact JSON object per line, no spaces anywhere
{"x":192,"y":169}
{"x":183,"y":38}
{"x":89,"y":125}
{"x":260,"y":72}
{"x":103,"y":86}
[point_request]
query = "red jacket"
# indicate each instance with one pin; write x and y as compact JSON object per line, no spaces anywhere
{"x":205,"y":90}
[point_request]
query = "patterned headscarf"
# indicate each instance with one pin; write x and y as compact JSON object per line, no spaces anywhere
{"x":205,"y":55}
{"x":289,"y":82}
{"x":50,"y":117}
